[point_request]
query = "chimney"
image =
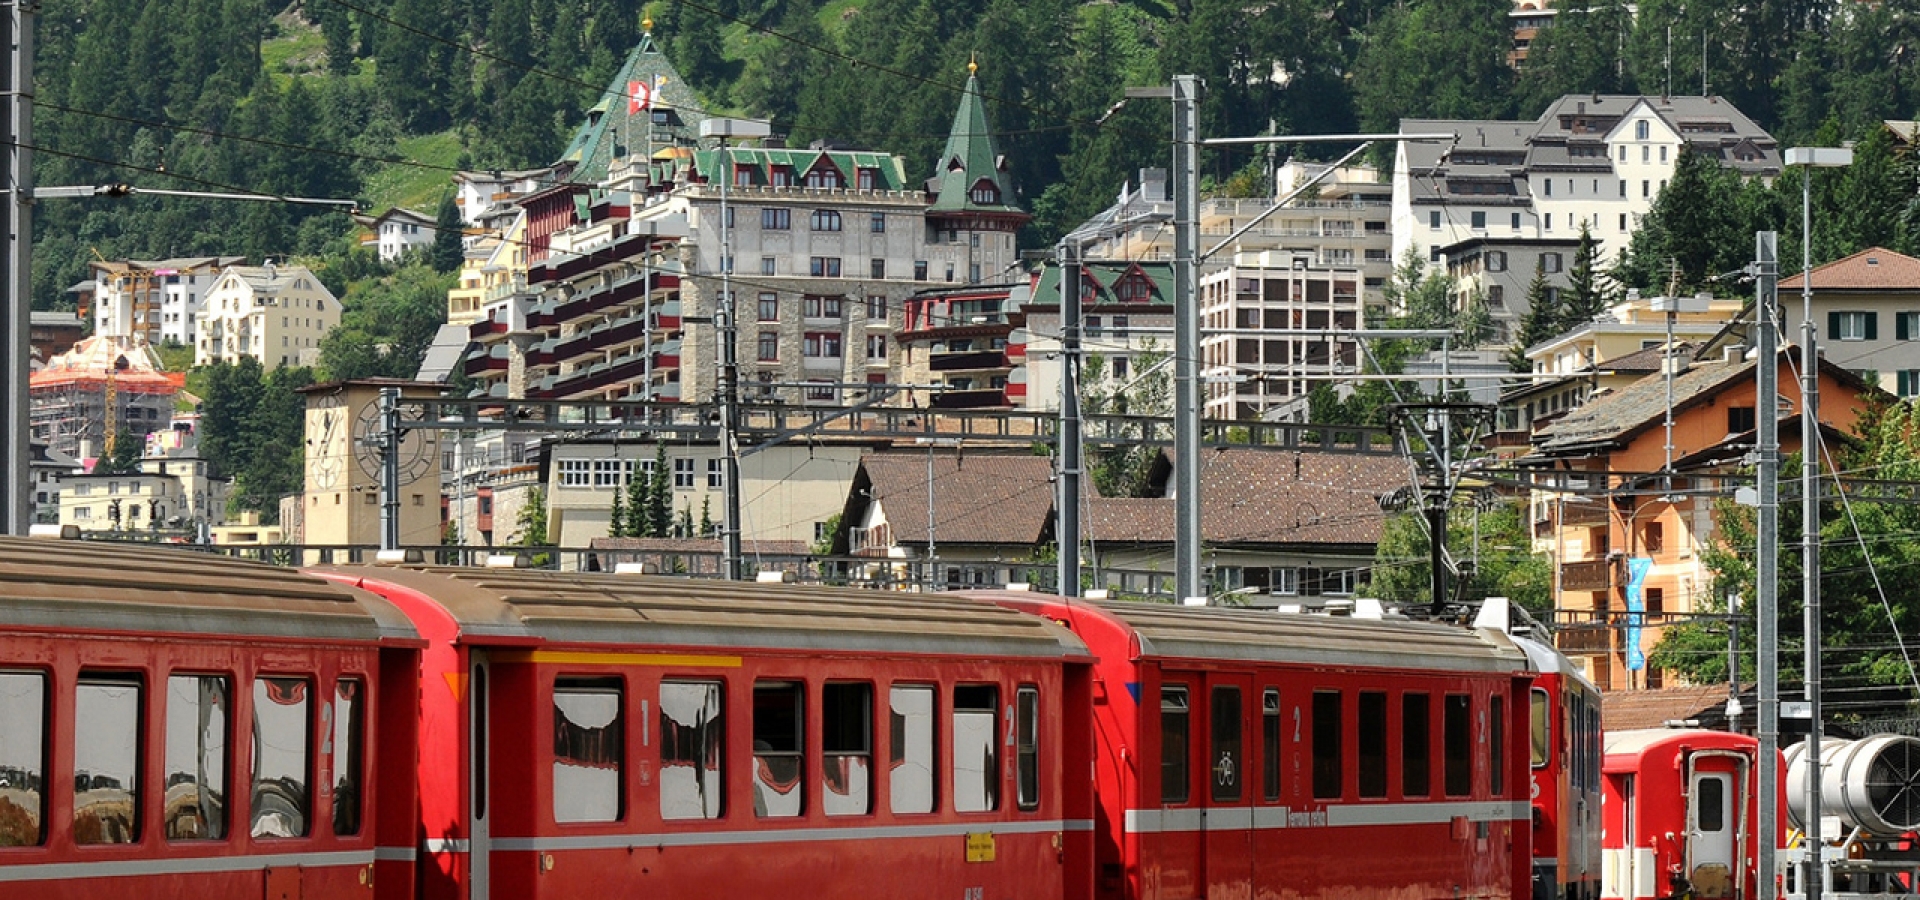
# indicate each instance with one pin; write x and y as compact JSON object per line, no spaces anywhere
{"x":1731,"y":355}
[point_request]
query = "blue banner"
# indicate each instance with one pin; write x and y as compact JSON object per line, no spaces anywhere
{"x":1637,"y":568}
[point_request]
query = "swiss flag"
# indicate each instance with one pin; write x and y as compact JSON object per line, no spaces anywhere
{"x":639,"y":96}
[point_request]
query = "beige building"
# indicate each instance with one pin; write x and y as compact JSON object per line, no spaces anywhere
{"x":169,"y":493}
{"x":1866,"y":310}
{"x":341,"y":503}
{"x":275,"y":315}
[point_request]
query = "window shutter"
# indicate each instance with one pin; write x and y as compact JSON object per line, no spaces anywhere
{"x":1904,"y":385}
{"x":1873,"y":326}
{"x":1833,"y":326}
{"x":1902,"y":329}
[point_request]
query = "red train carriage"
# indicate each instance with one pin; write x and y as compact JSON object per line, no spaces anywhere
{"x":602,"y":736}
{"x":178,"y":725}
{"x":1681,"y":810}
{"x":1564,"y":750}
{"x":1244,"y":753}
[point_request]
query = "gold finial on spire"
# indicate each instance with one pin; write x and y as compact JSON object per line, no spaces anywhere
{"x":973,"y":64}
{"x":647,"y":24}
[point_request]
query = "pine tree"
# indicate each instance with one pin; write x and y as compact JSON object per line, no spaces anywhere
{"x":617,"y":518}
{"x":659,"y":496}
{"x":706,"y":515}
{"x":637,"y":524}
{"x":1540,"y":323}
{"x":446,"y":253}
{"x":1586,"y":297}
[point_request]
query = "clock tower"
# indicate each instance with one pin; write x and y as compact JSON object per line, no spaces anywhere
{"x":341,"y":503}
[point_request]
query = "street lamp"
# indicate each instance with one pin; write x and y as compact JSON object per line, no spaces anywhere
{"x":1810,"y":158}
{"x":729,"y":363}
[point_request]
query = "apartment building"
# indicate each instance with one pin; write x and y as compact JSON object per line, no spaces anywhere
{"x":1866,"y":310}
{"x":395,"y":233}
{"x":1273,"y":327}
{"x":275,"y":315}
{"x":157,"y":300}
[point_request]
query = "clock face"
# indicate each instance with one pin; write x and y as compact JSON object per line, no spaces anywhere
{"x":326,"y":451}
{"x":416,"y":446}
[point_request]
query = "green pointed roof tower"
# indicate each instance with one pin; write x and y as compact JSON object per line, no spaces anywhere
{"x":971,"y":179}
{"x":610,"y":131}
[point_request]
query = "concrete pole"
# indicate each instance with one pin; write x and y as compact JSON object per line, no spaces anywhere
{"x":390,"y":468}
{"x":1810,"y":533}
{"x":16,"y":324}
{"x":1186,"y":339}
{"x":1067,"y":500}
{"x":1767,"y":603}
{"x":729,"y":379}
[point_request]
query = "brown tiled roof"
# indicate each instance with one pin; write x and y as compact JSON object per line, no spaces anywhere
{"x":978,"y":498}
{"x":1263,"y":497}
{"x":1648,"y":359}
{"x":1872,"y":269}
{"x":1613,"y":417}
{"x":1628,"y":710}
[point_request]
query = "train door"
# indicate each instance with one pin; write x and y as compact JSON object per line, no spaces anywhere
{"x":1228,"y":820}
{"x":1712,"y":811}
{"x":479,"y":747}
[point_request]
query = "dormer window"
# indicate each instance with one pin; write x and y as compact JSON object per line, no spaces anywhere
{"x":780,"y":176}
{"x":985,"y":193}
{"x":1133,"y":289}
{"x":825,"y":177}
{"x":868,"y":179}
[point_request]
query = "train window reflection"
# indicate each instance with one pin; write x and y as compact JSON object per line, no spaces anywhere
{"x":1327,"y":769}
{"x":1496,"y":747}
{"x":846,"y":747}
{"x":196,"y":786}
{"x":588,"y":751}
{"x":1270,"y":744}
{"x":1542,"y":723}
{"x":692,"y":750}
{"x":1416,"y":745}
{"x":1026,"y":748}
{"x":106,"y":761}
{"x":976,"y":766}
{"x":23,"y":756}
{"x":1457,"y":744}
{"x":779,"y":739}
{"x":349,"y":749}
{"x":1373,"y":744}
{"x":910,"y":750}
{"x":281,"y":737}
{"x":1174,"y":774}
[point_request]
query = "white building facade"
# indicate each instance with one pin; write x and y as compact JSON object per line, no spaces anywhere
{"x":275,"y":315}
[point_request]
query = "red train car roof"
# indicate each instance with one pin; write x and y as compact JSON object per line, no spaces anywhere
{"x":1255,"y":635}
{"x":1626,"y":748}
{"x":67,"y":585}
{"x":516,"y":605}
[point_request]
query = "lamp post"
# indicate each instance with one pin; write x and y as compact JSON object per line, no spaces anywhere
{"x":729,"y":382}
{"x":1808,"y":159}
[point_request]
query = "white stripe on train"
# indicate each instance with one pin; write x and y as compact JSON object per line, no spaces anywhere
{"x":196,"y":865}
{"x":1242,"y":818}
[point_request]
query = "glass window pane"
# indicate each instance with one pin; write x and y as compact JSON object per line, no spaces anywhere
{"x":106,"y":762}
{"x":846,"y":744}
{"x":1496,"y":746}
{"x":349,"y":753}
{"x":1270,"y":745}
{"x":976,"y":765}
{"x":1710,"y":799}
{"x":1027,"y":747}
{"x":1459,"y":745}
{"x":1373,"y":744}
{"x":1416,"y":746}
{"x":23,"y":757}
{"x":588,"y":751}
{"x":1542,"y":725}
{"x":196,"y":801}
{"x":1174,"y":774}
{"x":910,"y":754}
{"x":1225,"y":760}
{"x":281,"y":737}
{"x":1327,"y":774}
{"x":692,"y":750}
{"x":778,"y":740}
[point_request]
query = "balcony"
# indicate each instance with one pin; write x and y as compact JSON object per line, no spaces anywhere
{"x":983,"y":398}
{"x":967,"y":361}
{"x":1589,"y":575}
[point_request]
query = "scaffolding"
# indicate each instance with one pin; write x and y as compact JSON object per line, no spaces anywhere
{"x":104,"y":386}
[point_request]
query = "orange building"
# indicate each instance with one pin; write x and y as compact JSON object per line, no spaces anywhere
{"x":1634,"y":504}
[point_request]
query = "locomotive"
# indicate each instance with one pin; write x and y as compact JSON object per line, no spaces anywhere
{"x":183,"y":725}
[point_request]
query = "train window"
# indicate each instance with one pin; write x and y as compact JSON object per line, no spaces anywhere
{"x":1541,"y":724}
{"x":976,"y":769}
{"x":1497,"y":747}
{"x":1225,"y":758}
{"x":1174,"y":776}
{"x":1327,"y":774}
{"x":1416,"y":745}
{"x":1710,"y":804}
{"x":196,"y":750}
{"x":692,"y":750}
{"x":910,"y":758}
{"x":23,"y":758}
{"x":779,"y":738}
{"x":106,"y":761}
{"x":282,"y":734}
{"x":1373,"y":744}
{"x":349,"y":753}
{"x":1270,"y":744}
{"x":1026,"y":747}
{"x":589,"y":750}
{"x":846,"y":747}
{"x":1457,"y":745}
